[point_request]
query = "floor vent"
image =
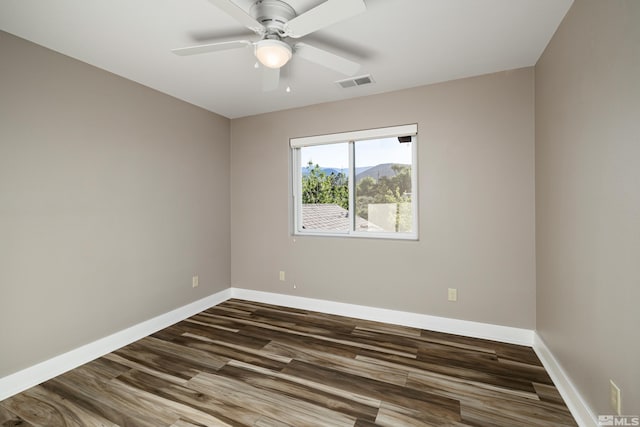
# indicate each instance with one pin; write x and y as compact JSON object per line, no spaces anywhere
{"x":355,"y":81}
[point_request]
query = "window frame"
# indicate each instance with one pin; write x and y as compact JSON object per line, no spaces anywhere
{"x":296,"y":144}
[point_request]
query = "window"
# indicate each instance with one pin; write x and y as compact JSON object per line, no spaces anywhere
{"x":360,"y":183}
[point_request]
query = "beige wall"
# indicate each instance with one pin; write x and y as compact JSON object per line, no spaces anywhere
{"x":588,"y":199}
{"x":476,"y":184}
{"x":112,"y":196}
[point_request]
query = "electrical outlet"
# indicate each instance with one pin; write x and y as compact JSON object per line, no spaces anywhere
{"x":282,"y":276}
{"x":453,"y":294}
{"x":615,"y":398}
{"x":195,"y":282}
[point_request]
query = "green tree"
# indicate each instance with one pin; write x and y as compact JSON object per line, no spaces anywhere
{"x":387,"y":189}
{"x":318,"y":187}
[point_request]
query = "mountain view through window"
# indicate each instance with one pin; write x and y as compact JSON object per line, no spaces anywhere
{"x":360,"y":186}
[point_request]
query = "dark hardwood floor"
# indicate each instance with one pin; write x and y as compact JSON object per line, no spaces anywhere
{"x":249,"y":364}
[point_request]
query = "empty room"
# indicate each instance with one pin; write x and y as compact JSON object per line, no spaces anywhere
{"x":320,"y":213}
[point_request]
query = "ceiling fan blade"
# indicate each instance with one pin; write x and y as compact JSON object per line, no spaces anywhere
{"x":211,"y":47}
{"x":323,"y":15}
{"x":270,"y":79}
{"x":237,"y":13}
{"x":326,"y":59}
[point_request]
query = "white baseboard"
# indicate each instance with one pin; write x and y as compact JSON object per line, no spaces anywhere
{"x":579,"y":409}
{"x":34,"y":375}
{"x":422,"y":321}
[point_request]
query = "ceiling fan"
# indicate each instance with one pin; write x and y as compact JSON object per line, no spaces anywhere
{"x":275,"y":22}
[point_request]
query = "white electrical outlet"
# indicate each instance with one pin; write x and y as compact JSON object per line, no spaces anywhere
{"x":194,"y":282}
{"x":282,"y":276}
{"x":615,"y":398}
{"x":453,"y":294}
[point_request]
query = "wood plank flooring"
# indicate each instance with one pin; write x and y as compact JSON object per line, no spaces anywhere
{"x":249,"y":364}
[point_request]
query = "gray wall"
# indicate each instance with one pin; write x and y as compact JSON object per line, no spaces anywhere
{"x":588,"y":199}
{"x":476,"y":184}
{"x":112,"y":196}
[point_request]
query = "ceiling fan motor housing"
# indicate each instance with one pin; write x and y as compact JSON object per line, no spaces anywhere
{"x":273,"y":14}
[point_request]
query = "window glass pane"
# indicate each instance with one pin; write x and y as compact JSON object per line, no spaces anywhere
{"x":365,"y":186}
{"x":325,"y":188}
{"x":383,"y":193}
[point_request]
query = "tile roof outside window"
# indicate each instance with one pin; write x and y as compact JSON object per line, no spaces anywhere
{"x":331,"y":217}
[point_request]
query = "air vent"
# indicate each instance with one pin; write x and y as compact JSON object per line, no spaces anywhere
{"x":355,"y":81}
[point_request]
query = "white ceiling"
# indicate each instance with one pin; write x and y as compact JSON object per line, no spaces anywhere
{"x":401,"y":43}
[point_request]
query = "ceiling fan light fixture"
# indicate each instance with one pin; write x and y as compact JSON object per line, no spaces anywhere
{"x":273,"y":53}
